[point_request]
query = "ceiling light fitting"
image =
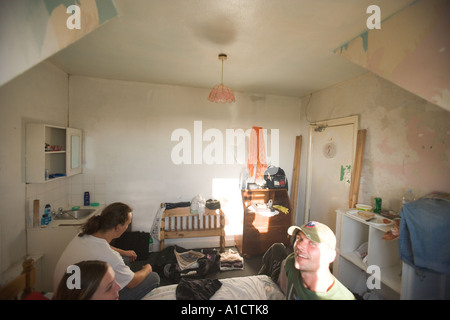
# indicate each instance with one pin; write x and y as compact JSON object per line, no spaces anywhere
{"x":320,"y":128}
{"x":221,"y":93}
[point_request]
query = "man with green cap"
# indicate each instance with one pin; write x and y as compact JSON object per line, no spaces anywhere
{"x":307,"y":272}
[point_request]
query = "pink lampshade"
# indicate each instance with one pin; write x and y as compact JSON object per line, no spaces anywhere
{"x":221,"y":93}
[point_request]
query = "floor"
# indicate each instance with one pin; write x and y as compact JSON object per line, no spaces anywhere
{"x":251,"y":267}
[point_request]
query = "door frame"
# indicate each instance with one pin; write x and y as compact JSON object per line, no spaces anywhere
{"x":351,"y":120}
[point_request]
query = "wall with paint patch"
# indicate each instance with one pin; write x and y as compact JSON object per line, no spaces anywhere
{"x":408,"y":138}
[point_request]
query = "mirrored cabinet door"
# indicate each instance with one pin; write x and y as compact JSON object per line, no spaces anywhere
{"x":73,"y":142}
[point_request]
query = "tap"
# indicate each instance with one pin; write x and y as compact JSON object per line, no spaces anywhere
{"x":60,"y":212}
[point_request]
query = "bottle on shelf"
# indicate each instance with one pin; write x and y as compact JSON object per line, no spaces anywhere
{"x":87,"y":200}
{"x":44,"y":220}
{"x":408,"y":197}
{"x":46,"y":217}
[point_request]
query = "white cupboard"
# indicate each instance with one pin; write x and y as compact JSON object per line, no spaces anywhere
{"x":363,"y":254}
{"x":52,"y":152}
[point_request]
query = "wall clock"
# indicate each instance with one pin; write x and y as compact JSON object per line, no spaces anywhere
{"x":329,"y":150}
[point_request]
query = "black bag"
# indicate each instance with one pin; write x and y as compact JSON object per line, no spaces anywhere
{"x":173,"y":205}
{"x":136,"y":241}
{"x":210,"y":263}
{"x":275,"y":178}
{"x":212,"y":204}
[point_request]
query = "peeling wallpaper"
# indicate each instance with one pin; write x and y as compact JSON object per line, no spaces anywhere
{"x":408,"y":138}
{"x":412,"y":49}
{"x":35,"y":29}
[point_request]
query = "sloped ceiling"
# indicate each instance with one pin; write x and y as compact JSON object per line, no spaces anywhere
{"x":33,"y":30}
{"x":412,"y":50}
{"x":280,"y":47}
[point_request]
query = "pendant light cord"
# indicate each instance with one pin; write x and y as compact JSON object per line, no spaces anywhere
{"x":222,"y":72}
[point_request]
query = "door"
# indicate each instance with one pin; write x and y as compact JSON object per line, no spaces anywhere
{"x":330,"y":161}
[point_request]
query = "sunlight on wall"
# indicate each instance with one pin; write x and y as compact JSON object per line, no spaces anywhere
{"x":228,"y":193}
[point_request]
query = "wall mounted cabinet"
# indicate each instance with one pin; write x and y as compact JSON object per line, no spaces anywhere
{"x":52,"y":152}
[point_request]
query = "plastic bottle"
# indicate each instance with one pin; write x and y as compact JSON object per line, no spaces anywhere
{"x":44,"y":220}
{"x":48,"y":212}
{"x":87,"y":200}
{"x":150,"y":245}
{"x":408,"y":197}
{"x":46,"y":217}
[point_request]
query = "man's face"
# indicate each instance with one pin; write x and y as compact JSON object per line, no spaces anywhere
{"x":310,"y":256}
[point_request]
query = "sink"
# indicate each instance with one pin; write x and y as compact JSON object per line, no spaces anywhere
{"x":74,"y":214}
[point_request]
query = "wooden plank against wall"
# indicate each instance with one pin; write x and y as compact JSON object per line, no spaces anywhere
{"x":357,"y":167}
{"x":295,"y":177}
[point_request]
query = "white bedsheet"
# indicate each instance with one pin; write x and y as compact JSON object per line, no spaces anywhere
{"x":260,"y":287}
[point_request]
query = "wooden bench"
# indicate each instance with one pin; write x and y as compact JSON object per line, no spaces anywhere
{"x":184,"y":224}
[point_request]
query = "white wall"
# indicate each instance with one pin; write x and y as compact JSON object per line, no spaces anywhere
{"x":127,"y":129}
{"x":40,"y":95}
{"x":127,"y":132}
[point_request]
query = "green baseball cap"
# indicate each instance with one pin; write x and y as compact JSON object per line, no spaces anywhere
{"x":317,"y":232}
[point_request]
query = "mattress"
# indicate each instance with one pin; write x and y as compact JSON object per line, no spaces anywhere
{"x":259,"y":287}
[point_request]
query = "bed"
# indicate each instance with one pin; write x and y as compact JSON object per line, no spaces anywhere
{"x":258,"y":287}
{"x":179,"y":223}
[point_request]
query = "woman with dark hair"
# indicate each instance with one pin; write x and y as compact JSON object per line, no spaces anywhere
{"x":90,"y":280}
{"x":93,"y":243}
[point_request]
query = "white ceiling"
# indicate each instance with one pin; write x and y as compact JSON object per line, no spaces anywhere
{"x":281,"y":47}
